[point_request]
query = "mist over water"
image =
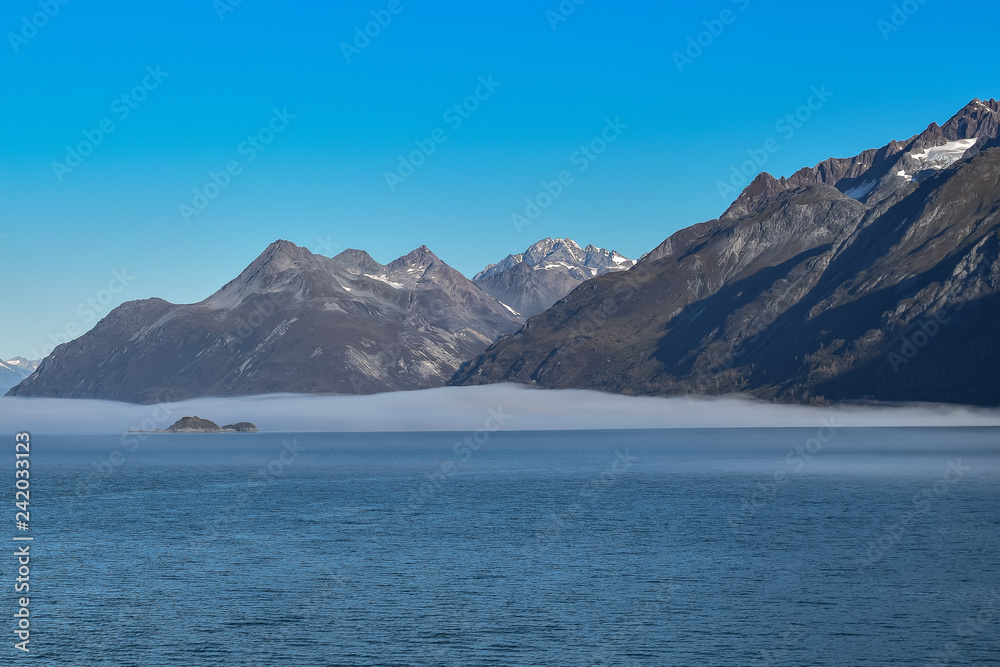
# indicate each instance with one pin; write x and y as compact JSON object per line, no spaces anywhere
{"x":519,"y":408}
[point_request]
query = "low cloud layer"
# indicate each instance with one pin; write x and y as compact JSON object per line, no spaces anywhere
{"x":465,"y":409}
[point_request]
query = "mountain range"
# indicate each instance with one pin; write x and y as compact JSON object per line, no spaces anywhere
{"x":870,"y":278}
{"x":297,"y":322}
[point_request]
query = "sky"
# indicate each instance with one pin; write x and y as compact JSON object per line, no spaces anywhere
{"x":157,"y":149}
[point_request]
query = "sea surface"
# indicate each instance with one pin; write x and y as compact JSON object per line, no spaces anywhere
{"x":821,"y":546}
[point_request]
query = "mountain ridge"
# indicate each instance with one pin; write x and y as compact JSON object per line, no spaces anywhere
{"x":800,"y":292}
{"x":869,"y":175}
{"x":291,"y":321}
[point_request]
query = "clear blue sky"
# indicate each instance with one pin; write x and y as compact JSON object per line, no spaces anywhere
{"x":321,"y":182}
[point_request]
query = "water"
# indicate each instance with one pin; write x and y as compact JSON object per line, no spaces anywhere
{"x":618,"y":548}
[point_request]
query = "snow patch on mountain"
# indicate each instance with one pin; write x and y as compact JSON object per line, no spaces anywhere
{"x":861,"y":191}
{"x":384,"y":279}
{"x":563,"y":255}
{"x":934,"y":158}
{"x":942,"y":157}
{"x":508,"y":308}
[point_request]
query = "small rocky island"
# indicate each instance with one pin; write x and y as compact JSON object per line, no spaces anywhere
{"x":199,"y":425}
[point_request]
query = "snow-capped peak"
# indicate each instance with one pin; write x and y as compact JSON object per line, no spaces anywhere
{"x":22,"y":363}
{"x":564,"y":255}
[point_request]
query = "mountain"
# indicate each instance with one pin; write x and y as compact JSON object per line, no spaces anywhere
{"x":291,"y":322}
{"x":877,"y":174}
{"x":530,"y":282}
{"x":868,"y":278}
{"x":13,"y":371}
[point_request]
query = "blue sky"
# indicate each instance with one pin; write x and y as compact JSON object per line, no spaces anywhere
{"x":266,"y":89}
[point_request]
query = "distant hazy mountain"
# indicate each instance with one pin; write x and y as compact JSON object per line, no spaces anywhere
{"x":532,"y":281}
{"x":873,"y":277}
{"x":14,"y":370}
{"x":291,"y":322}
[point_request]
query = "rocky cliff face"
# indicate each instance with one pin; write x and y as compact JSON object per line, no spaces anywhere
{"x":291,"y":322}
{"x":800,"y":292}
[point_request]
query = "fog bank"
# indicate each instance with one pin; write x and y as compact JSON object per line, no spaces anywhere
{"x":466,"y":409}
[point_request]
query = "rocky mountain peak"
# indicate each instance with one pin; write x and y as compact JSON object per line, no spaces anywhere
{"x":285,"y":250}
{"x":878,"y":174}
{"x":565,"y":255}
{"x":358,"y":262}
{"x":422,"y":256}
{"x":545,"y":272}
{"x":977,"y":120}
{"x":761,"y":189}
{"x":409,"y":269}
{"x":279,"y":264}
